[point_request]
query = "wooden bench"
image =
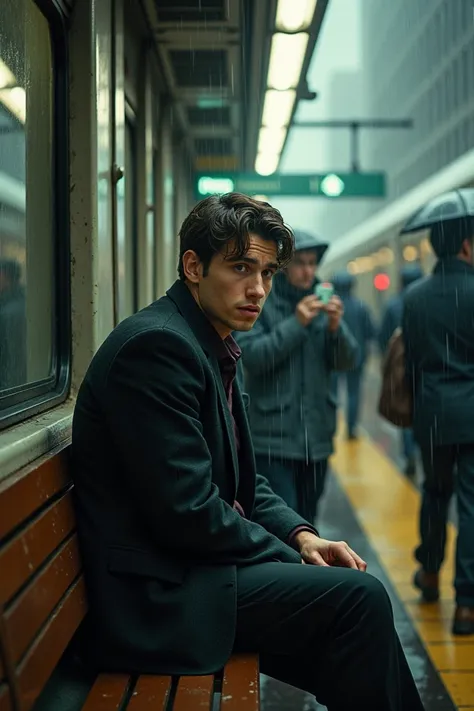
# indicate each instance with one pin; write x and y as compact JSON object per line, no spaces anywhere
{"x":43,"y":603}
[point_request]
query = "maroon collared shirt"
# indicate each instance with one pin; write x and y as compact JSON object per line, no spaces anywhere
{"x":228,"y":356}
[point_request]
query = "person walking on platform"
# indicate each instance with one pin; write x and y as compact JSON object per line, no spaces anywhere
{"x":188,"y":554}
{"x":391,"y":320}
{"x":288,"y":360}
{"x":358,"y":318}
{"x":438,"y":329}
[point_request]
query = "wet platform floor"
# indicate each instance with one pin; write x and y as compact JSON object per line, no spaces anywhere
{"x":337,"y":507}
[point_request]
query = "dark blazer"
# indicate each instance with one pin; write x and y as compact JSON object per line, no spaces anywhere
{"x":156,"y":472}
{"x":438,"y":327}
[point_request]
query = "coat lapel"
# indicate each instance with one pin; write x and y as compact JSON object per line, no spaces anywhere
{"x":246,"y":489}
{"x":225,"y":414}
{"x":208,"y":340}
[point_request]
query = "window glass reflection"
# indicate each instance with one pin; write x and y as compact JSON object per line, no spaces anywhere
{"x":26,"y":175}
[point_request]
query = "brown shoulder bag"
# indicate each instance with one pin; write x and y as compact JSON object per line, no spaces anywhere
{"x":396,"y":400}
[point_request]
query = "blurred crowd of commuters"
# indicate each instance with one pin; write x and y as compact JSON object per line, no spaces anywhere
{"x":302,"y":351}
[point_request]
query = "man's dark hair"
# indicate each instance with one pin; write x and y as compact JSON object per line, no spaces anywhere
{"x":217,"y":220}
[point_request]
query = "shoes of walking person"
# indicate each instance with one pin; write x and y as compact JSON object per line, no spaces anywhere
{"x":463,"y":621}
{"x":428,"y":583}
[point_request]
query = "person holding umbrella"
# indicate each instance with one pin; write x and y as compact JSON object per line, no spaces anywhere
{"x":288,"y":358}
{"x":438,"y":331}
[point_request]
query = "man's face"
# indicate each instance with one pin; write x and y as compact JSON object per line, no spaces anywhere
{"x":234,"y":290}
{"x":301,"y":271}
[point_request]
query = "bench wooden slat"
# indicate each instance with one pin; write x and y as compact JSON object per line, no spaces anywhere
{"x":29,"y":491}
{"x":151,"y":693}
{"x":30,"y":548}
{"x":5,"y":698}
{"x":194,"y":692}
{"x":48,"y":648}
{"x":43,"y":602}
{"x":108,"y":692}
{"x":240,"y":684}
{"x":26,"y":617}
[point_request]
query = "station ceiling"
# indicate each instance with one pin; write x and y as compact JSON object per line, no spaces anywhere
{"x":215,"y":57}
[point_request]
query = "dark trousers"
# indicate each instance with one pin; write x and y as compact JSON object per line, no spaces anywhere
{"x":353,"y":380}
{"x":300,"y":484}
{"x":328,"y":631}
{"x":440,"y":465}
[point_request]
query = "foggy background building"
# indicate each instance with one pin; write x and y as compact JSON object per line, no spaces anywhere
{"x":410,"y":59}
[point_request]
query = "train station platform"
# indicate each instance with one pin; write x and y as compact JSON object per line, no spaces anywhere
{"x":372,"y":505}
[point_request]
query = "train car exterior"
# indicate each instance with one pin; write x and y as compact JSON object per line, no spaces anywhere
{"x":375,"y":247}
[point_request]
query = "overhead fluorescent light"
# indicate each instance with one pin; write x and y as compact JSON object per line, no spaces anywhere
{"x":294,"y":15}
{"x":214,"y":186}
{"x":7,"y":79}
{"x":271,"y":140}
{"x":286,"y":60}
{"x":266,"y":163}
{"x":278,"y":107}
{"x":15,"y":101}
{"x":211,"y":103}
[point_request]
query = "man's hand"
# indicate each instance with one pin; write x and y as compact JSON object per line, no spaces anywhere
{"x":335,"y":311}
{"x":308,"y":308}
{"x":319,"y":551}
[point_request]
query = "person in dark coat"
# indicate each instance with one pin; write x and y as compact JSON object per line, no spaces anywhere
{"x":438,"y":328}
{"x":13,"y":366}
{"x":188,"y":554}
{"x":358,"y":318}
{"x":391,"y":320}
{"x":288,"y":360}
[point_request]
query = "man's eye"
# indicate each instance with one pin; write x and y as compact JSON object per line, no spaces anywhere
{"x":268,"y":273}
{"x":240,"y":267}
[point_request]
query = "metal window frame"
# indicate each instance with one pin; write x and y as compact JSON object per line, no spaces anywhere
{"x":33,"y":398}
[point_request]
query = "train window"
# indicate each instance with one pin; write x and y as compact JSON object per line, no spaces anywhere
{"x":33,"y":362}
{"x":153,"y":225}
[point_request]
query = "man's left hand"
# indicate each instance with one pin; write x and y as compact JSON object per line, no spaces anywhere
{"x":335,"y":311}
{"x":319,"y":551}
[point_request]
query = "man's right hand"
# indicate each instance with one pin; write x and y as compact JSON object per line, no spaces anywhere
{"x":308,"y":308}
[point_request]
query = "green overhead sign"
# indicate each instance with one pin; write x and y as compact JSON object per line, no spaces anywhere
{"x":331,"y":185}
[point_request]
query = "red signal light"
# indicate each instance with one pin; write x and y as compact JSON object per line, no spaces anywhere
{"x":382,"y":282}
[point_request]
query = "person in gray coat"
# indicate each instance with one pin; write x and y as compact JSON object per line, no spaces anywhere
{"x":288,"y":358}
{"x":359,"y":319}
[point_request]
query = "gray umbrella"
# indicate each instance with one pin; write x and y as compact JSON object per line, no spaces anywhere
{"x":454,"y":205}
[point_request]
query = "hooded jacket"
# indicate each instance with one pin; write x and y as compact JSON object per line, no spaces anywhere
{"x":438,"y":329}
{"x":287,"y":373}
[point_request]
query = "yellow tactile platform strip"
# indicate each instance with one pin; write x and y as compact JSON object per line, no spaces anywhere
{"x":387,"y":507}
